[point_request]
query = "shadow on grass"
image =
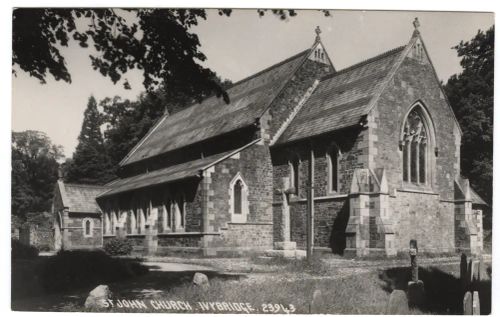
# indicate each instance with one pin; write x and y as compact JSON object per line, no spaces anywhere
{"x":31,"y":289}
{"x":443,"y":291}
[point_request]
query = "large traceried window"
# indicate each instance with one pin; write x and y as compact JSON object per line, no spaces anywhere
{"x":416,"y":143}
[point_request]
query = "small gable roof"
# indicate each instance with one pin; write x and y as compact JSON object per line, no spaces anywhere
{"x":249,"y":98}
{"x":476,"y":199}
{"x":80,"y":198}
{"x":341,"y":99}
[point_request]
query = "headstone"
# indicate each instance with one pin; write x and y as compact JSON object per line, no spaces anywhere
{"x":200,"y":279}
{"x":463,"y":273}
{"x":316,"y":302}
{"x":398,"y":303}
{"x":476,"y":308}
{"x":467,"y":303}
{"x":98,"y":296}
{"x":416,"y":294}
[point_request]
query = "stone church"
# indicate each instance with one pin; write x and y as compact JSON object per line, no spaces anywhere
{"x":373,"y":150}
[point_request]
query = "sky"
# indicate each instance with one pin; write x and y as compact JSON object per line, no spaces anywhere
{"x":239,"y":46}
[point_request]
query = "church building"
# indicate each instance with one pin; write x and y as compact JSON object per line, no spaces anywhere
{"x":373,"y":150}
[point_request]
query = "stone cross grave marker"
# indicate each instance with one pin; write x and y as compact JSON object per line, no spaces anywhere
{"x":416,"y":293}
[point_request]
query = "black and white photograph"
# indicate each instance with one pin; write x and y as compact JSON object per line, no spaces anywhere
{"x":251,"y":160}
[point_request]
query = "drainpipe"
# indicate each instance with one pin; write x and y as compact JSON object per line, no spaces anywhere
{"x":310,"y":205}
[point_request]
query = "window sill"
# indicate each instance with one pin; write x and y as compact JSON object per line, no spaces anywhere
{"x":188,"y":233}
{"x":136,"y":235}
{"x":417,"y":190}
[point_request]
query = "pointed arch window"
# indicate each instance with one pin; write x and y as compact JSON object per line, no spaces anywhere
{"x":238,"y":199}
{"x":294,"y":165}
{"x":87,"y":227}
{"x":416,"y":142}
{"x":333,"y":156}
{"x":237,"y":189}
{"x":180,"y":213}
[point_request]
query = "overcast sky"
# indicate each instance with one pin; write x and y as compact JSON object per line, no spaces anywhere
{"x":239,"y":46}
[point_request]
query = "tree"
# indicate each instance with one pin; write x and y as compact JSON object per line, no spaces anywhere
{"x":34,"y":172}
{"x":159,"y":42}
{"x":471,"y":96}
{"x":90,"y":164}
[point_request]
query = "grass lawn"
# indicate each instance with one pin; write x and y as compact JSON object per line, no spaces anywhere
{"x":284,"y":285}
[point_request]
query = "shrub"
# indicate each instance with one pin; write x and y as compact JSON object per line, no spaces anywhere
{"x":118,"y":247}
{"x":21,"y":251}
{"x":72,"y":269}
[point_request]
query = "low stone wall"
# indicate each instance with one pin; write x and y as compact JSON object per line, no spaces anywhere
{"x":37,"y":231}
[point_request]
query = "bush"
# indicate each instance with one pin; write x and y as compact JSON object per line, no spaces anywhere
{"x":118,"y":247}
{"x":73,"y":269}
{"x":21,"y":251}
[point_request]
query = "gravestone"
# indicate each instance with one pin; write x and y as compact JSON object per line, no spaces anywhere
{"x":316,"y":302}
{"x":398,"y":303}
{"x":463,"y":273}
{"x":476,"y":308}
{"x":467,"y":303}
{"x":416,"y":295}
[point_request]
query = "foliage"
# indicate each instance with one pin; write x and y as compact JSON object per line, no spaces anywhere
{"x":117,"y":246}
{"x":21,"y":251}
{"x":70,"y":270}
{"x":90,"y":164}
{"x":34,"y":172}
{"x":159,"y":42}
{"x":471,"y":96}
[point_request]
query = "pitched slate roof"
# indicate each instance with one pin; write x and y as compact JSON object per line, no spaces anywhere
{"x":342,"y":98}
{"x":169,"y":174}
{"x":249,"y":99}
{"x":80,"y":198}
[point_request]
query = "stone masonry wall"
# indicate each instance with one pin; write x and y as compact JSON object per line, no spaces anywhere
{"x":425,"y":218}
{"x":331,"y":211}
{"x":73,"y":232}
{"x":254,"y":166}
{"x":429,"y":218}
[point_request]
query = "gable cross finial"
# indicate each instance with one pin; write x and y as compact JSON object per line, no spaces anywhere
{"x":416,"y":23}
{"x":318,"y":32}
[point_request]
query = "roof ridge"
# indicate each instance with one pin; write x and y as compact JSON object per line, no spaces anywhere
{"x":364,"y":62}
{"x":194,"y":103}
{"x":84,"y":185}
{"x":269,"y":68}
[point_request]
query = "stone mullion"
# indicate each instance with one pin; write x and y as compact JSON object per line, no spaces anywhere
{"x":408,"y":160}
{"x":417,"y":159}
